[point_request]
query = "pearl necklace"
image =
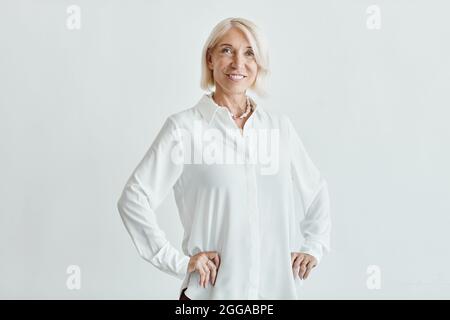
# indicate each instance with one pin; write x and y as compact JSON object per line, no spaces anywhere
{"x":248,"y":109}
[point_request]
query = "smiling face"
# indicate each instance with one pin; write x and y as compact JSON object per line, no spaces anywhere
{"x":233,"y":63}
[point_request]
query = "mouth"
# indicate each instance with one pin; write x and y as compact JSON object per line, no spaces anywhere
{"x":235,"y":76}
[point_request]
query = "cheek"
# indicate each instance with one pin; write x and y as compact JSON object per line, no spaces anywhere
{"x":218,"y":72}
{"x":219,"y":64}
{"x":254,"y":69}
{"x":220,"y":68}
{"x":254,"y":73}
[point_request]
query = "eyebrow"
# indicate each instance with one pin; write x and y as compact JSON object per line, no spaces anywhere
{"x":227,"y":44}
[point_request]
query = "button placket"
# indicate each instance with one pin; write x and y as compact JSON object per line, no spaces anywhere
{"x":250,"y":174}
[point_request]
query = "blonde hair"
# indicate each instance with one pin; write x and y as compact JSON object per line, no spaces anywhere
{"x":257,"y":42}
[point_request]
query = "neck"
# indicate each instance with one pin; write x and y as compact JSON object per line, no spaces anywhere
{"x":235,"y":102}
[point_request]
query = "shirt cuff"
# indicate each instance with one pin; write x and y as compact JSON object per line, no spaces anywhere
{"x":171,"y":261}
{"x":313,"y":248}
{"x":184,"y":267}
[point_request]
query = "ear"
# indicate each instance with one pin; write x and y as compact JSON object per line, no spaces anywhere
{"x":209,"y":59}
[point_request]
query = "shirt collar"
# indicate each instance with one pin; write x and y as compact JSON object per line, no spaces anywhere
{"x":209,"y":109}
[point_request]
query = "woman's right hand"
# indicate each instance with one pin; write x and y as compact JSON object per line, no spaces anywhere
{"x":207,"y":265}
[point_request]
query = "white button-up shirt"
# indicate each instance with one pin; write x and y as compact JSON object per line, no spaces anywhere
{"x":252,"y":195}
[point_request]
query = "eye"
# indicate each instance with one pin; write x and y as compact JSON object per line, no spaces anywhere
{"x":225,"y":49}
{"x":250,"y":53}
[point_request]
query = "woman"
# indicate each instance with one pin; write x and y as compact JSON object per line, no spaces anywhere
{"x":245,"y":188}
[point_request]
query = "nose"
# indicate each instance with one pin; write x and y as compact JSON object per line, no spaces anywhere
{"x":238,"y":61}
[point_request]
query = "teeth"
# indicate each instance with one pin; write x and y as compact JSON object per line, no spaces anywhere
{"x":235,"y":76}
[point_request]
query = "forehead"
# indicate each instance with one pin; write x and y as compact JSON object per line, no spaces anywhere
{"x":234,"y":37}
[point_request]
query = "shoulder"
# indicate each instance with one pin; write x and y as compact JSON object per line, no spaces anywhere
{"x":183,"y":117}
{"x":187,"y":115}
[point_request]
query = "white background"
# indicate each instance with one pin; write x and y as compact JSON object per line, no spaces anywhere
{"x":79,"y":108}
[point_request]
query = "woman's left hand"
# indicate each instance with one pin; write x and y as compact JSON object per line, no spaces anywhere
{"x":302,"y":263}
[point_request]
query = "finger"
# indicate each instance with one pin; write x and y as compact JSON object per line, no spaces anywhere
{"x":201,"y":262}
{"x":303,"y":268}
{"x":308,"y":269}
{"x":298,"y":261}
{"x":296,"y":265}
{"x":214,"y":257}
{"x":205,"y":276}
{"x":212,"y":267}
{"x":209,"y":276}
{"x":202,"y":275}
{"x":294,"y":256}
{"x":207,"y":273}
{"x":211,"y":254}
{"x":313,"y":261}
{"x":217,"y":260}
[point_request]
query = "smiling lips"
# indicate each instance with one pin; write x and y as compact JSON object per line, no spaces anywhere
{"x":235,"y":76}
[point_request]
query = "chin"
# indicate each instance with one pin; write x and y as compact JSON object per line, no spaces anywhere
{"x":237,"y":88}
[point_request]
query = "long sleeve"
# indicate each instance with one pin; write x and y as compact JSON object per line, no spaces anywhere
{"x":146,"y":188}
{"x":312,"y":189}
